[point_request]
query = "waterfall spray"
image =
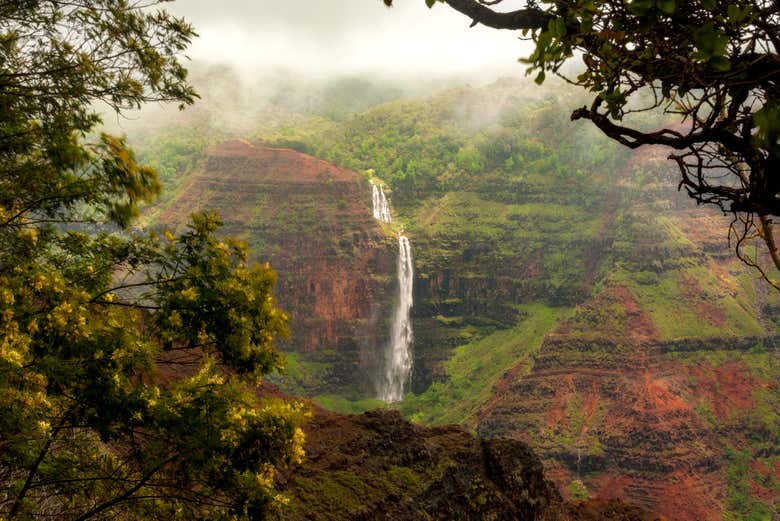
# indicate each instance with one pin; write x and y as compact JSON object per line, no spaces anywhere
{"x":398,"y":358}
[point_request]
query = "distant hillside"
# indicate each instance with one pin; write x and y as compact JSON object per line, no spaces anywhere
{"x":565,"y":295}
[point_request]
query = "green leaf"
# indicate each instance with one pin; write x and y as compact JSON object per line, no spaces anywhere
{"x":667,"y":6}
{"x":709,"y":5}
{"x":710,"y":41}
{"x":557,"y":27}
{"x":540,"y":78}
{"x":720,"y":63}
{"x":640,"y":7}
{"x":587,"y":26}
{"x":768,"y":122}
{"x":430,"y":3}
{"x":737,"y":15}
{"x":543,"y":42}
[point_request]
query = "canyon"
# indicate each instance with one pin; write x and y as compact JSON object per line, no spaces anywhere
{"x":599,"y":319}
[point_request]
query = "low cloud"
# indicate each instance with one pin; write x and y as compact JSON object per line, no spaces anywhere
{"x":325,"y":37}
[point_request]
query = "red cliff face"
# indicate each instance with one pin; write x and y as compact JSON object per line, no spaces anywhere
{"x":313,"y":222}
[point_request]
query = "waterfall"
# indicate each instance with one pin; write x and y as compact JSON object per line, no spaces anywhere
{"x":398,"y":354}
{"x":381,"y":208}
{"x":398,"y":357}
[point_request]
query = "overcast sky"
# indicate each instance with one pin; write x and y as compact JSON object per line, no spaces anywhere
{"x":347,"y":36}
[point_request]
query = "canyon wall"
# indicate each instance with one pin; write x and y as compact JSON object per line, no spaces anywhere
{"x":312,"y":221}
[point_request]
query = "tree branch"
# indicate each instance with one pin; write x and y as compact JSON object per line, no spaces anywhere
{"x":512,"y":20}
{"x":480,"y":13}
{"x":125,"y":496}
{"x":34,"y":469}
{"x":767,"y":233}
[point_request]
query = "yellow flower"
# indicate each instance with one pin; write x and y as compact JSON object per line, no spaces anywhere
{"x":190,"y":293}
{"x":175,"y":319}
{"x":39,"y":282}
{"x":61,"y":314}
{"x":298,"y":441}
{"x":7,"y":296}
{"x":30,"y":235}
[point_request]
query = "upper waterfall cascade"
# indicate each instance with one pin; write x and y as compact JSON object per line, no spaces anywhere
{"x":381,"y":208}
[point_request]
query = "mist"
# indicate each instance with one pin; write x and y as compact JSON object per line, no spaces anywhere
{"x":341,"y":37}
{"x":265,"y":63}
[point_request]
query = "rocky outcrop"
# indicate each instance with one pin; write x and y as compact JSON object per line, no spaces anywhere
{"x":377,"y":466}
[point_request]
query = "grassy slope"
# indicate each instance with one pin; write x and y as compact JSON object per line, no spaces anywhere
{"x":476,"y":367}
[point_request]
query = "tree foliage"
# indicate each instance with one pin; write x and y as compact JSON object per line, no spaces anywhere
{"x":462,"y":139}
{"x":713,"y":64}
{"x":128,"y":359}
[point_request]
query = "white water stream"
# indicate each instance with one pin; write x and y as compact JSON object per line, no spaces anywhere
{"x":398,"y":354}
{"x":381,"y":208}
{"x":398,"y":358}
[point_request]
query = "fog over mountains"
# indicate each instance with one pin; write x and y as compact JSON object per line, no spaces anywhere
{"x":348,"y":36}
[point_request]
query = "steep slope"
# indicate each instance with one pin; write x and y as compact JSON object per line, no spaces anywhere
{"x":663,"y":378}
{"x":657,"y":387}
{"x":313,"y":222}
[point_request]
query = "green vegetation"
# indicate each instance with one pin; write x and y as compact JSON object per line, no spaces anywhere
{"x":343,"y":493}
{"x":715,"y":311}
{"x":577,"y":491}
{"x":448,"y":142}
{"x":128,"y":358}
{"x":339,"y":493}
{"x":574,"y":432}
{"x":683,"y":58}
{"x":475,"y":369}
{"x":740,"y":504}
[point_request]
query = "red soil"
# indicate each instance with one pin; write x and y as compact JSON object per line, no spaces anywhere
{"x":727,"y":388}
{"x":640,"y":327}
{"x":281,"y":163}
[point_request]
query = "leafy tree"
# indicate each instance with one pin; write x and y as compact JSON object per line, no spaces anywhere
{"x":128,"y":359}
{"x":711,"y":64}
{"x":470,"y":159}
